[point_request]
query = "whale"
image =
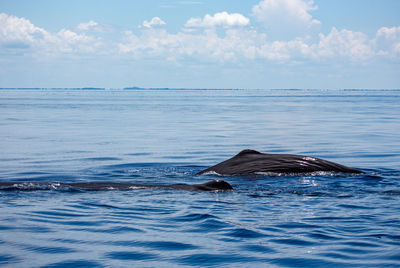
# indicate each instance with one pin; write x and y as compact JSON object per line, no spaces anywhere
{"x":214,"y":185}
{"x":250,"y":162}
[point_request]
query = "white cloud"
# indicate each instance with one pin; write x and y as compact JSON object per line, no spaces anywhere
{"x":247,"y":44}
{"x":92,"y":26}
{"x":210,"y":43}
{"x":19,"y":32}
{"x":155,"y":22}
{"x":221,"y":19}
{"x":86,"y":26}
{"x":344,"y":44}
{"x":286,"y":19}
{"x":237,"y":44}
{"x":387,"y":42}
{"x":69,"y":41}
{"x":389,"y":33}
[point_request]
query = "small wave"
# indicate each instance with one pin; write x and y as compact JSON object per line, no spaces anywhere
{"x":193,"y":217}
{"x":74,"y":263}
{"x":129,"y":255}
{"x":168,"y":245}
{"x":293,"y":241}
{"x":306,"y":262}
{"x":209,"y":259}
{"x":49,"y":250}
{"x":244,"y":233}
{"x":259,"y":249}
{"x":102,"y":159}
{"x":393,"y":192}
{"x":7,"y":259}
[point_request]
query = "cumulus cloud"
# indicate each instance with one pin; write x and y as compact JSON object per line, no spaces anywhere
{"x":92,"y":26}
{"x":207,"y":45}
{"x":235,"y":45}
{"x":18,"y":33}
{"x":387,"y":42}
{"x":344,"y":44}
{"x":155,"y":22}
{"x":221,"y":19}
{"x":248,"y":44}
{"x":219,"y":39}
{"x":86,"y":26}
{"x":392,"y":33}
{"x":69,"y":41}
{"x":286,"y":19}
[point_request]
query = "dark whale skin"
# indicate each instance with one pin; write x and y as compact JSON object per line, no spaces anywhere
{"x":214,"y":185}
{"x":249,"y":162}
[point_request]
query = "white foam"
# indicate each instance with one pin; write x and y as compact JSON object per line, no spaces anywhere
{"x":212,"y":172}
{"x":135,"y":187}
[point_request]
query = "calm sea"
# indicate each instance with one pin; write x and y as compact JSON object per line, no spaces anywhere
{"x":165,"y":137}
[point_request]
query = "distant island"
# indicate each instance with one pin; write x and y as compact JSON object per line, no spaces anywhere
{"x":132,"y":88}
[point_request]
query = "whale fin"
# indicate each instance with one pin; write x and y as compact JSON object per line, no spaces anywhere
{"x":248,"y":151}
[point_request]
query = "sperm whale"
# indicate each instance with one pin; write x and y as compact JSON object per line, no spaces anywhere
{"x":214,"y":185}
{"x":249,"y":162}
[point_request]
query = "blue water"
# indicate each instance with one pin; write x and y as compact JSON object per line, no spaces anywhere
{"x":165,"y":137}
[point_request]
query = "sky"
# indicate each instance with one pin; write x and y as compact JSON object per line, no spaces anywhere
{"x":200,"y":44}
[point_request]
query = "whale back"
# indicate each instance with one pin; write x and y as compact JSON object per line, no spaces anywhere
{"x":249,"y":162}
{"x":214,"y":185}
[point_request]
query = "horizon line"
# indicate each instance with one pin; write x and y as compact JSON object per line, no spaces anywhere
{"x":180,"y":88}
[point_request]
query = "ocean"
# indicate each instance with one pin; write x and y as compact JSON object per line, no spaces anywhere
{"x":165,"y":136}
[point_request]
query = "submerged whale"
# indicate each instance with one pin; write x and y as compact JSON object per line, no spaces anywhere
{"x":249,"y":162}
{"x":214,"y":185}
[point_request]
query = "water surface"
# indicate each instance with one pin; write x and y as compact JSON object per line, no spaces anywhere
{"x":165,"y":137}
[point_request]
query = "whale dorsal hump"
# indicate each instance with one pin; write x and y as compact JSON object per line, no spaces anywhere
{"x":218,"y":185}
{"x":248,"y":151}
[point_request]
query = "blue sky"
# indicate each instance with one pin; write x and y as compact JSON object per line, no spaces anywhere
{"x":200,"y":44}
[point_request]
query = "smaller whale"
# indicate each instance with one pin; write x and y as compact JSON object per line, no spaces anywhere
{"x":249,"y":162}
{"x":214,"y":185}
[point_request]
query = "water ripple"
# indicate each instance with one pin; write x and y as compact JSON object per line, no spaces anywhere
{"x":168,"y":245}
{"x":129,"y":255}
{"x":49,"y":250}
{"x":244,"y":233}
{"x":307,"y":262}
{"x":192,"y":217}
{"x":292,"y":241}
{"x":155,"y":137}
{"x":74,"y":263}
{"x":8,"y":259}
{"x":208,"y":259}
